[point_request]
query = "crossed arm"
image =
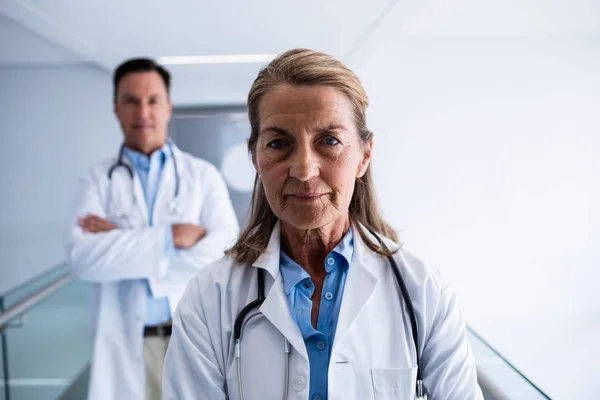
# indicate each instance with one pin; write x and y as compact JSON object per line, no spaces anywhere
{"x":98,"y":250}
{"x":184,"y":235}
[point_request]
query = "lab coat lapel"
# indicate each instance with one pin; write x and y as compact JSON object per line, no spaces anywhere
{"x":140,"y":200}
{"x":277,"y":310}
{"x":166,"y":184}
{"x":138,"y":193}
{"x":360,"y":285}
{"x":276,"y":307}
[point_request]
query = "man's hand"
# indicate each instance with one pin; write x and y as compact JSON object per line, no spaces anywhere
{"x":187,"y":235}
{"x":93,"y":224}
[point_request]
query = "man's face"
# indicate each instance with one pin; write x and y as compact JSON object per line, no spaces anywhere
{"x":143,"y":108}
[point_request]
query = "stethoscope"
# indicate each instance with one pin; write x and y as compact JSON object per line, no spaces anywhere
{"x":173,"y":206}
{"x":238,"y":327}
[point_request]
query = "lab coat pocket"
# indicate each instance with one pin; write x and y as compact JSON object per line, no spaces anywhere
{"x":394,"y":383}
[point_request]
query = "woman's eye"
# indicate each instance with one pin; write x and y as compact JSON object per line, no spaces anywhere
{"x":276,"y":144}
{"x":331,"y":141}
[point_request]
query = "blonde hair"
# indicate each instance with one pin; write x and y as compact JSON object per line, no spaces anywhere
{"x":303,"y":67}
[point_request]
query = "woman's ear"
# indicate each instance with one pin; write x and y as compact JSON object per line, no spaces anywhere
{"x":364,"y":163}
{"x":255,"y":164}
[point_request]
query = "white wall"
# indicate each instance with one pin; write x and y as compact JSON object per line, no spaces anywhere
{"x":54,"y":123}
{"x":486,"y":157}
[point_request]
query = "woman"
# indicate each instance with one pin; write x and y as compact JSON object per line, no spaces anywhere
{"x":333,"y":324}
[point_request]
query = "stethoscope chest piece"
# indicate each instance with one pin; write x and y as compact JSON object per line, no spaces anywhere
{"x":174,"y":207}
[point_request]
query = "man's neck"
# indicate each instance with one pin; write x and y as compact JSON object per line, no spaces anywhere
{"x":145,"y":151}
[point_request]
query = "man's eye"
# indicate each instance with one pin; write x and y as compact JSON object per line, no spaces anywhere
{"x":277,"y":143}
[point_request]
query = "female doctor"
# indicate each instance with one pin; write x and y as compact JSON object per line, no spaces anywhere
{"x":316,"y":300}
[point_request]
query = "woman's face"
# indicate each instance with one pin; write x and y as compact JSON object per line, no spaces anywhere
{"x":308,"y":154}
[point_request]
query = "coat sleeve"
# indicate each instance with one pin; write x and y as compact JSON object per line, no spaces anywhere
{"x":449,"y":370}
{"x":116,"y":255}
{"x":220,"y":222}
{"x":191,"y":369}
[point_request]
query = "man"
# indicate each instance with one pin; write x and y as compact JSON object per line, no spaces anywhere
{"x":144,"y":222}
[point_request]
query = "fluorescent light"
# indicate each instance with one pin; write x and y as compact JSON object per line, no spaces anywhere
{"x":217,"y":59}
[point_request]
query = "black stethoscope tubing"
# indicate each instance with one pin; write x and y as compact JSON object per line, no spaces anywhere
{"x":404,"y":297}
{"x":121,"y":164}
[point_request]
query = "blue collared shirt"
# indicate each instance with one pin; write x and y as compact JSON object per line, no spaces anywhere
{"x":149,"y":169}
{"x":299,"y":288}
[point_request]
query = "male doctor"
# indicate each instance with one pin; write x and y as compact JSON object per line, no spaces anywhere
{"x":144,"y":222}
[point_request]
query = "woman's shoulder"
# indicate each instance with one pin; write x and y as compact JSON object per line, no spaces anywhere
{"x":211,"y":285}
{"x":417,"y":269}
{"x":216,"y":274}
{"x":414,"y":271}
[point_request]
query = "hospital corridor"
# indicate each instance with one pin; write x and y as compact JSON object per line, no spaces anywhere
{"x":345,"y":200}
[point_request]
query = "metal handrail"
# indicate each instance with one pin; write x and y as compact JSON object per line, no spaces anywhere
{"x":36,"y":278}
{"x":31,"y":301}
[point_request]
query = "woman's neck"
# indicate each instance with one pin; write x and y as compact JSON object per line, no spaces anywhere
{"x":309,"y":247}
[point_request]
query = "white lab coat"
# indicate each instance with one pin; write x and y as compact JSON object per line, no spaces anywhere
{"x":373,"y":354}
{"x":120,"y":261}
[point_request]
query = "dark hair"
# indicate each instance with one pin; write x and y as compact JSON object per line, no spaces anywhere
{"x":140,"y":65}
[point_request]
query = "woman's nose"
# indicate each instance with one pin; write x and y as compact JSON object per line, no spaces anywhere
{"x":304,"y":165}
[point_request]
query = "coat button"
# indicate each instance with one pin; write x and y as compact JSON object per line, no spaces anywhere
{"x":299,"y":383}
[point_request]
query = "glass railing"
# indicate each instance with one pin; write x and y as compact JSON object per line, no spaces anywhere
{"x":46,"y":353}
{"x":498,"y":378}
{"x":47,"y":350}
